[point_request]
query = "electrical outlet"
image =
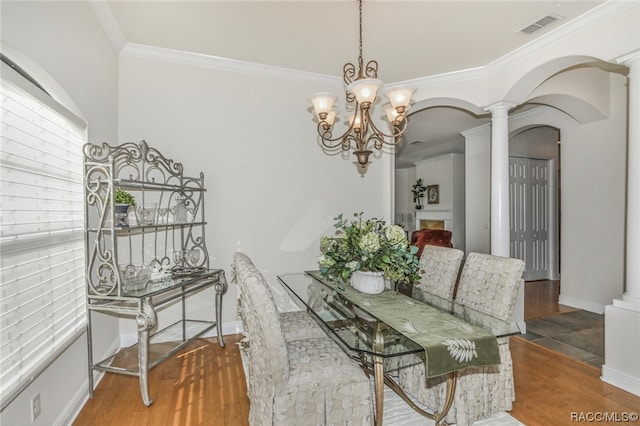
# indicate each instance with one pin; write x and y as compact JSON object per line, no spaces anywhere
{"x":36,"y":408}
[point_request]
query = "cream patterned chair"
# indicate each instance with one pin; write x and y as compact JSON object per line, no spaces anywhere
{"x":488,"y":284}
{"x":295,"y":324}
{"x":439,"y":270}
{"x":308,"y":381}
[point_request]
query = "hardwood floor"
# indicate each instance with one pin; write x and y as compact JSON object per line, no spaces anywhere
{"x":202,"y":385}
{"x":541,"y":299}
{"x":205,"y":385}
{"x":552,"y":389}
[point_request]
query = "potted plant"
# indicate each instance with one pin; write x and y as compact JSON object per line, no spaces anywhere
{"x":123,"y":200}
{"x":368,"y":247}
{"x":418,"y":190}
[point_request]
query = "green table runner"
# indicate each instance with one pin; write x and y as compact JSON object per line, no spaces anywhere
{"x":450,"y":343}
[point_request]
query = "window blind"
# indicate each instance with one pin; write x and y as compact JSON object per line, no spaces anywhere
{"x":42,"y":299}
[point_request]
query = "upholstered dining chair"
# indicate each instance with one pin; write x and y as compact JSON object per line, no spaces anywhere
{"x":295,"y":324}
{"x":302,"y":381}
{"x":439,"y":270}
{"x":488,"y":284}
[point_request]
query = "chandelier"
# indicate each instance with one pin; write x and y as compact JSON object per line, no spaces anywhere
{"x":361,"y":92}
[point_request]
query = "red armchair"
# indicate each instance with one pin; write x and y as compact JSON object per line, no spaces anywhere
{"x":434,"y":237}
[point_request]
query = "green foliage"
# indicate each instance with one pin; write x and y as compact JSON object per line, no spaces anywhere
{"x":368,"y":245}
{"x":123,"y":197}
{"x":418,"y":190}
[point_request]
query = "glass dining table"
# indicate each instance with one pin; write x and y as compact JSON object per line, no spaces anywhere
{"x":377,"y":329}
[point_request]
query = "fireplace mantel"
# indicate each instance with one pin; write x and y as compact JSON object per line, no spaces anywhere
{"x":435,"y":215}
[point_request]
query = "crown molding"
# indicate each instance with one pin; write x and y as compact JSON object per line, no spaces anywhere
{"x":226,"y":64}
{"x":629,"y":58}
{"x":101,"y":9}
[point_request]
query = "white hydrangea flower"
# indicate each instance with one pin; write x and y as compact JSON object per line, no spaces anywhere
{"x":395,"y":234}
{"x":326,"y":261}
{"x":370,"y":242}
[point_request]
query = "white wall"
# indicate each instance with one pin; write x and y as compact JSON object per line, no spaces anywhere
{"x":65,"y":40}
{"x":271,"y":191}
{"x":538,"y":142}
{"x":593,"y":207}
{"x":477,"y":157}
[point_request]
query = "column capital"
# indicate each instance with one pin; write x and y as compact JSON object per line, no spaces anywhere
{"x":501,"y":105}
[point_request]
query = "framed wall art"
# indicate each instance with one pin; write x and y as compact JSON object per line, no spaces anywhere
{"x":433,"y":194}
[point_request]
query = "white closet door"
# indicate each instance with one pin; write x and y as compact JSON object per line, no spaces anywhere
{"x":539,"y":183}
{"x":529,"y":215}
{"x":518,"y":223}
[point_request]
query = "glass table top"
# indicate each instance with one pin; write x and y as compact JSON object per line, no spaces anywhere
{"x":355,"y":325}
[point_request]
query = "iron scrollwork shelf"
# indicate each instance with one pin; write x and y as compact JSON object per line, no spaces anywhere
{"x":160,"y":241}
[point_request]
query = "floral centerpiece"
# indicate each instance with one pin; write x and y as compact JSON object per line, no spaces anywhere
{"x":368,"y":245}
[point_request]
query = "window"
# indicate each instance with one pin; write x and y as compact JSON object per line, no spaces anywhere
{"x":42,"y":302}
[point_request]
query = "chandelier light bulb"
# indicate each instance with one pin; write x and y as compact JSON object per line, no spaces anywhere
{"x":393,"y":115}
{"x":400,"y":97}
{"x":356,"y":122}
{"x":331,"y":117}
{"x":365,"y":89}
{"x":323,"y":103}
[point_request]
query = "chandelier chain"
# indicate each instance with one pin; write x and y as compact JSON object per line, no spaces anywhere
{"x":360,"y":14}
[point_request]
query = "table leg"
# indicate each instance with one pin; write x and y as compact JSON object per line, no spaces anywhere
{"x":437,"y":417}
{"x":378,"y":376}
{"x":451,"y":391}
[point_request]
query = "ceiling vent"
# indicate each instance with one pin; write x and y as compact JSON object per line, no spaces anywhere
{"x":540,"y":23}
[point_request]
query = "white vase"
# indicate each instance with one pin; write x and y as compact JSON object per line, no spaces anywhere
{"x":368,"y":282}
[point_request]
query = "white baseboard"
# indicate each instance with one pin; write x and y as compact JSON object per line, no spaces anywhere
{"x":621,"y":380}
{"x":80,"y":398}
{"x":596,"y":308}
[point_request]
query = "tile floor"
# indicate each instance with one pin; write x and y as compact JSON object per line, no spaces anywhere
{"x":578,"y":334}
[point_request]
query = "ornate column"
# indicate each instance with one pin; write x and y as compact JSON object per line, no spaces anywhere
{"x":500,"y":177}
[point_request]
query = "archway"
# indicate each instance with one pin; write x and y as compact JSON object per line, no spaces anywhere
{"x":586,"y":102}
{"x":433,"y":150}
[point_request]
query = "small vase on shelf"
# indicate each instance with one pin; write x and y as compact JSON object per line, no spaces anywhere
{"x":122,"y":219}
